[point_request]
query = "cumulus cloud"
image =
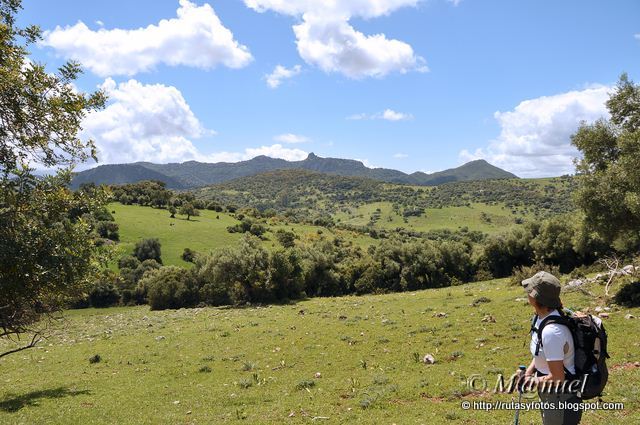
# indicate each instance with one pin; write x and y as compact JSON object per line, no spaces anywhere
{"x":534,"y":139}
{"x":196,"y":38}
{"x":281,"y":73}
{"x":326,"y":39}
{"x":291,"y":138}
{"x":143,"y":122}
{"x":276,"y":151}
{"x":153,"y":122}
{"x":387,"y":115}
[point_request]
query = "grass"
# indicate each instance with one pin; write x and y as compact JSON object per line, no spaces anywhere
{"x":202,"y":234}
{"x":261,"y":364}
{"x":494,"y":220}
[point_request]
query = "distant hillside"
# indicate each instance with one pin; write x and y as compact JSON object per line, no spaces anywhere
{"x":311,"y":192}
{"x":194,"y":174}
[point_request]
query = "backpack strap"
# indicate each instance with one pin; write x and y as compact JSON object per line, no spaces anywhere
{"x":560,"y":320}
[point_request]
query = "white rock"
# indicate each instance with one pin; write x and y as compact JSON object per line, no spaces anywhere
{"x":629,"y":316}
{"x":604,"y":315}
{"x":598,"y":309}
{"x":318,"y":375}
{"x":429,"y":359}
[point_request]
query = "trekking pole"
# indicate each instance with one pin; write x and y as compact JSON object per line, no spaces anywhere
{"x":520,"y":375}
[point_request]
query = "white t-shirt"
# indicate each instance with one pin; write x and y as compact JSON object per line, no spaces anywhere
{"x":557,"y":344}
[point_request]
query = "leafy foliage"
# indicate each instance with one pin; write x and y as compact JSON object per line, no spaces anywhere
{"x":610,"y":181}
{"x":148,"y":249}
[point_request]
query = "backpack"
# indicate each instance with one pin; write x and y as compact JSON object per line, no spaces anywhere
{"x":590,"y":349}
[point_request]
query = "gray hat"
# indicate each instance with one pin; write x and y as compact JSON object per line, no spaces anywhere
{"x":545,"y":288}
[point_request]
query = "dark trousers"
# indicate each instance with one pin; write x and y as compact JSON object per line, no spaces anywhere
{"x":557,"y":416}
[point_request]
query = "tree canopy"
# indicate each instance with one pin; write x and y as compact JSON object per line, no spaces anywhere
{"x":609,"y":192}
{"x":48,"y":246}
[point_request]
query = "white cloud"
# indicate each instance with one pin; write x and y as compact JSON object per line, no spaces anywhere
{"x":534,"y":139}
{"x":391,"y":115}
{"x":99,"y":23}
{"x":196,"y":38}
{"x":326,"y":39}
{"x":400,"y":155}
{"x":358,"y":117}
{"x":387,"y":115}
{"x":455,"y":3}
{"x":366,"y":163}
{"x":291,"y":138}
{"x":154,"y":123}
{"x":276,"y":151}
{"x":143,"y":123}
{"x":637,"y":36}
{"x":281,"y":73}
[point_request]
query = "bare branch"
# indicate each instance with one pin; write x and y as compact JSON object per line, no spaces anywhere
{"x":34,"y":341}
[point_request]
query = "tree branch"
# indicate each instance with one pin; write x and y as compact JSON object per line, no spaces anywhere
{"x":34,"y":341}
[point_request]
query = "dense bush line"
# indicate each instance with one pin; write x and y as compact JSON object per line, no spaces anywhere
{"x":248,"y":273}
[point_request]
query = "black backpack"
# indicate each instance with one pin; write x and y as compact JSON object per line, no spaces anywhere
{"x":590,"y":348}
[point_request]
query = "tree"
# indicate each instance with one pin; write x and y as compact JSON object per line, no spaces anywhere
{"x":148,"y":249}
{"x":609,"y":190}
{"x":286,"y":238}
{"x":172,"y":211}
{"x":189,"y":210}
{"x":48,"y":250}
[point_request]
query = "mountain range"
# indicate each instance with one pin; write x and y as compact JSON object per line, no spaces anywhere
{"x":192,"y":174}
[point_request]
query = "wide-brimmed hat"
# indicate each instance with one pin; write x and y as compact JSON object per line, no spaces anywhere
{"x":544,"y":288}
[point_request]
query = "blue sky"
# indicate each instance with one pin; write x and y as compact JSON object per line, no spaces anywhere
{"x":405,"y":84}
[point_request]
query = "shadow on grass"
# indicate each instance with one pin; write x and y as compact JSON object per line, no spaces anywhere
{"x":16,"y":403}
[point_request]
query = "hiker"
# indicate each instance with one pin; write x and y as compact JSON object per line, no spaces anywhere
{"x":553,"y":356}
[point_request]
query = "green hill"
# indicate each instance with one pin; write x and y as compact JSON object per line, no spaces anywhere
{"x":193,"y":174}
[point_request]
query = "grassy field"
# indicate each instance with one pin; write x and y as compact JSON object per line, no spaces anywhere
{"x":485,"y":218}
{"x":260,"y":364}
{"x":204,"y":233}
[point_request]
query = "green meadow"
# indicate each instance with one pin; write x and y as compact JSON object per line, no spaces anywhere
{"x":203,"y":233}
{"x":323,"y":360}
{"x":486,"y":218}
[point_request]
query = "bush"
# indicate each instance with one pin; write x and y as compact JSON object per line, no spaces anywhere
{"x":108,"y":230}
{"x":188,"y":255}
{"x":629,"y":295}
{"x":148,"y":249}
{"x":104,"y":292}
{"x":286,"y":238}
{"x":128,"y":262}
{"x":170,"y":288}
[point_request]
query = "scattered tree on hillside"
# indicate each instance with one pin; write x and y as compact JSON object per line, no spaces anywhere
{"x":189,"y":210}
{"x":48,"y":248}
{"x":609,"y":192}
{"x":148,"y":249}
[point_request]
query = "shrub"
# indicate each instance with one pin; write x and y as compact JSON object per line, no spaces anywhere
{"x":128,"y":262}
{"x":108,"y":230}
{"x":286,"y":238}
{"x":104,"y":292}
{"x":188,"y":255}
{"x":148,"y":249}
{"x":169,"y":287}
{"x":629,"y":295}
